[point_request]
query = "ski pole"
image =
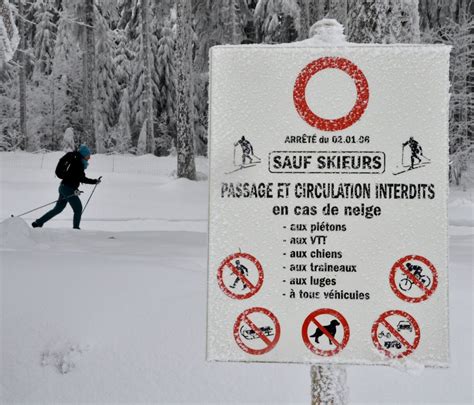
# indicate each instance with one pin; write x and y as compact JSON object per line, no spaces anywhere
{"x":45,"y":205}
{"x":87,"y":202}
{"x":426,"y":157}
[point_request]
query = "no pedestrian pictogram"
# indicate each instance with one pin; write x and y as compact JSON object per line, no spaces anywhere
{"x":413,"y":278}
{"x":240,"y":276}
{"x":396,"y":334}
{"x":257,"y":331}
{"x":325,"y":332}
{"x":338,"y":124}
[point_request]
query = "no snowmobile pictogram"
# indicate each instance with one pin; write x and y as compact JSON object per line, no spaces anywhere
{"x":240,"y":276}
{"x":396,"y":334}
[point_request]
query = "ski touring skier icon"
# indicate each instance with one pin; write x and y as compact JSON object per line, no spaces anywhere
{"x":248,"y":159}
{"x":417,"y":158}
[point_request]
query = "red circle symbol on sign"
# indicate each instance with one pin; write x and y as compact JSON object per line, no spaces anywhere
{"x":332,"y":330}
{"x":257,"y":331}
{"x":235,"y":277}
{"x":413,"y":278}
{"x":396,"y":334}
{"x":338,"y":124}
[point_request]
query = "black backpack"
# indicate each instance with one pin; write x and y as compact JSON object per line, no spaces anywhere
{"x":64,"y":165}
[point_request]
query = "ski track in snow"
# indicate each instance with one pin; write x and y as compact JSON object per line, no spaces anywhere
{"x":117,"y":312}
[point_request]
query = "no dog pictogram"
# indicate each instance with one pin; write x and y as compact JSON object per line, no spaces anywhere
{"x":338,"y":124}
{"x":240,"y":276}
{"x":257,"y":331}
{"x":413,"y":278}
{"x":396,"y":334}
{"x":325,"y":332}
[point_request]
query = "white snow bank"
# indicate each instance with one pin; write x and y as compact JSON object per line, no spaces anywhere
{"x":461,"y":209}
{"x":15,"y":233}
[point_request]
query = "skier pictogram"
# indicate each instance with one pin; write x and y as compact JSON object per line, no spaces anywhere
{"x":249,"y":159}
{"x":417,"y":158}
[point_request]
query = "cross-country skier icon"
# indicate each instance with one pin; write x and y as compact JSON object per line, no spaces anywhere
{"x":416,"y":151}
{"x":243,"y":270}
{"x":249,"y":158}
{"x":417,"y":158}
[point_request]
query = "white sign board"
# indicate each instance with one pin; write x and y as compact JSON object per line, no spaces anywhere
{"x":328,"y":204}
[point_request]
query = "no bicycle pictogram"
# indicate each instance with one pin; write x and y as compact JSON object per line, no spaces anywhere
{"x":257,"y":331}
{"x":413,"y":278}
{"x":396,"y":334}
{"x":338,"y":124}
{"x":325,"y":332}
{"x":240,"y":276}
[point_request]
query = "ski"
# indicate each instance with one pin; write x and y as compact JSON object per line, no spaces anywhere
{"x":409,"y":169}
{"x":242,"y":167}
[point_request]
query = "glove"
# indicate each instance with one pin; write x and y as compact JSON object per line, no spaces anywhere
{"x":77,"y":193}
{"x":98,"y":181}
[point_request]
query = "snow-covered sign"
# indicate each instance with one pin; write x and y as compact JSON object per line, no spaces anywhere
{"x":8,"y":32}
{"x":328,"y":204}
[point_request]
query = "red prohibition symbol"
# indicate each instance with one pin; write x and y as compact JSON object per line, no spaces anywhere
{"x":396,"y":334}
{"x":338,"y":124}
{"x":257,"y":331}
{"x":328,"y":329}
{"x":413,"y":278}
{"x":235,"y":273}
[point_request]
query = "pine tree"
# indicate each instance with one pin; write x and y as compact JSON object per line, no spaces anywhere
{"x":89,"y":75}
{"x":167,"y":76}
{"x":185,"y":132}
{"x":276,"y":20}
{"x":123,"y":57}
{"x":141,"y":145}
{"x":107,"y":88}
{"x":68,"y":143}
{"x":22,"y":75}
{"x":65,"y":88}
{"x":143,"y":82}
{"x":367,"y":21}
{"x":124,"y":136}
{"x":44,"y":39}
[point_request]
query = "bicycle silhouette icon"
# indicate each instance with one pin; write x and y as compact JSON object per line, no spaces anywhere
{"x":406,"y":283}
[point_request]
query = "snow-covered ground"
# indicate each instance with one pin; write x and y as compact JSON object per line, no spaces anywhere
{"x":116,"y":312}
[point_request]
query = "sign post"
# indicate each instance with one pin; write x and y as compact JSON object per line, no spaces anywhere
{"x":328,"y":206}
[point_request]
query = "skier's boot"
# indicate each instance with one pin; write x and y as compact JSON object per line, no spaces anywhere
{"x":36,"y":225}
{"x":76,"y":227}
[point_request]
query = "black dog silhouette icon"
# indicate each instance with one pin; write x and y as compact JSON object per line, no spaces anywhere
{"x":331,"y":329}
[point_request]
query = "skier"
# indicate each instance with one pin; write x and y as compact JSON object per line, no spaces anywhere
{"x":247,"y":149}
{"x":416,"y":151}
{"x":243,"y":270}
{"x":71,"y":170}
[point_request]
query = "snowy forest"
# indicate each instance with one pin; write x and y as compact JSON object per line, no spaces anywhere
{"x":131,"y":76}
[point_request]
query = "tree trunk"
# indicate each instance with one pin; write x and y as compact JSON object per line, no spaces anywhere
{"x":148,"y":94}
{"x":305,"y":24}
{"x":184,"y":124}
{"x":89,"y":77}
{"x":22,"y":75}
{"x":329,"y":385}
